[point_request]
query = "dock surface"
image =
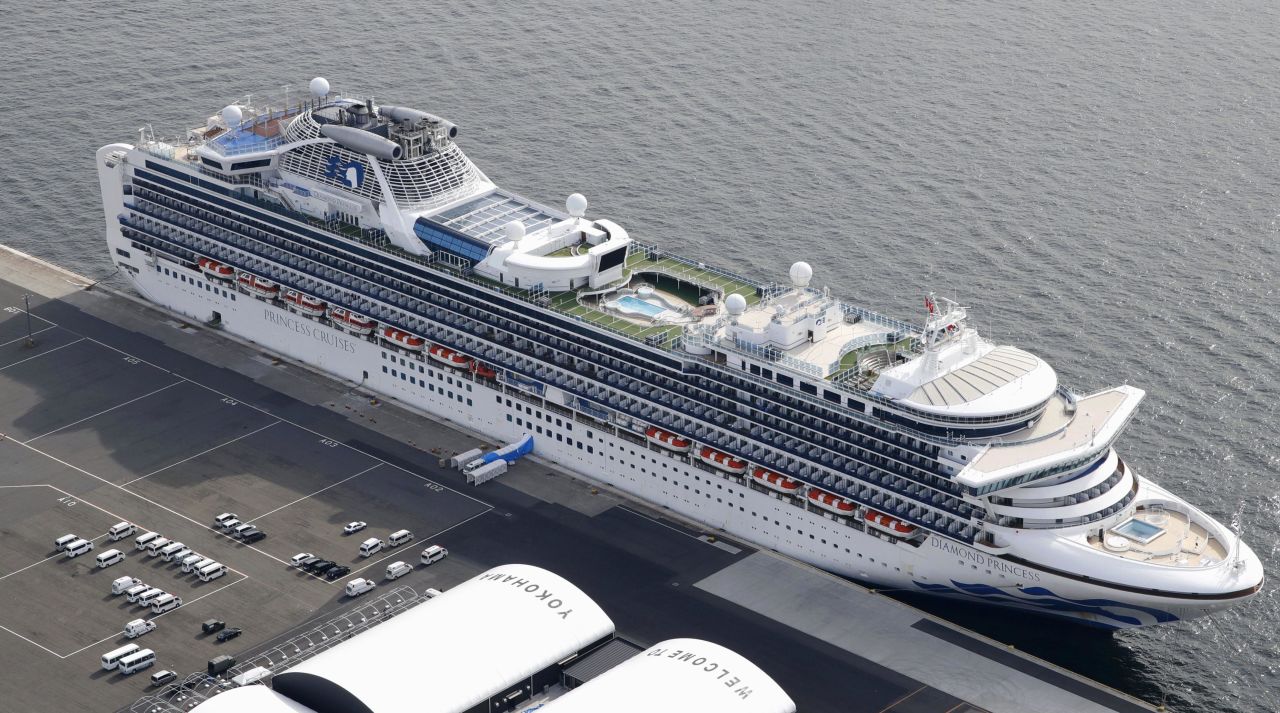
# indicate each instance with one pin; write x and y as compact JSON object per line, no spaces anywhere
{"x":119,"y":411}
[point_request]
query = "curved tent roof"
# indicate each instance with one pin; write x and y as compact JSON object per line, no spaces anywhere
{"x":258,"y":699}
{"x":471,"y":642}
{"x":679,"y":676}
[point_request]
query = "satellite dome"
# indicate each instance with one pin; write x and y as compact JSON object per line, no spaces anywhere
{"x":320,"y":87}
{"x":576,"y":204}
{"x":232,"y":115}
{"x":736,"y":304}
{"x":801,"y":273}
{"x":514,"y":231}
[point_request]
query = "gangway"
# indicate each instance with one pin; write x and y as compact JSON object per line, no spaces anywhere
{"x":495,"y":463}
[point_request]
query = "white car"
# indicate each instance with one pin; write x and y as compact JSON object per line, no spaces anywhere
{"x":354,"y":527}
{"x":359,"y":586}
{"x":300,"y":558}
{"x":221,"y":520}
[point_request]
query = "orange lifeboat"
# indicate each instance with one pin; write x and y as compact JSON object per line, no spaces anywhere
{"x":668,"y":440}
{"x":260,"y":286}
{"x":722,"y":461}
{"x":213,"y":268}
{"x":484,"y":370}
{"x":349,"y":321}
{"x":832,"y":503}
{"x":776,"y":481}
{"x":304,"y":304}
{"x":889,"y":524}
{"x":403,"y":339}
{"x":449,"y":357}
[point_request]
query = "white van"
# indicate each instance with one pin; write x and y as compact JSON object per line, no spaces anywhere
{"x":396,"y":570}
{"x":78,"y":548}
{"x":62,"y":542}
{"x":224,"y":518}
{"x":370,"y":546}
{"x":137,"y":590}
{"x":121,"y":584}
{"x":212,"y":572}
{"x":358,"y":586}
{"x":137,"y":661}
{"x":189,"y":562}
{"x":201,"y":564}
{"x":434,"y":553}
{"x":181,"y":554}
{"x":144,"y":538}
{"x":231,"y":524}
{"x":110,"y":557}
{"x":239,"y":530}
{"x":164,"y":603}
{"x":168,"y":551}
{"x":112,"y":658}
{"x":145,"y":599}
{"x":431,"y":593}
{"x":138,"y":627}
{"x":121,"y":530}
{"x":399,"y":537}
{"x":153,"y":547}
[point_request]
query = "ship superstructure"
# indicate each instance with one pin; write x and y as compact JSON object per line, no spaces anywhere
{"x":358,"y":237}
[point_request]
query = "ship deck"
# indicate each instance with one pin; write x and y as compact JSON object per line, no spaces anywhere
{"x":121,"y":412}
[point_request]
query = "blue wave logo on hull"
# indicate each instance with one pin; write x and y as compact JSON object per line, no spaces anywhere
{"x":1045,"y":599}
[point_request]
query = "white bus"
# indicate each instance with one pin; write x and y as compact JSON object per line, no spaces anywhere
{"x":210,"y":572}
{"x":137,"y":661}
{"x":111,"y":658}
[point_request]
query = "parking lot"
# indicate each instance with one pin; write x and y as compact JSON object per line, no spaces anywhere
{"x":94,"y":435}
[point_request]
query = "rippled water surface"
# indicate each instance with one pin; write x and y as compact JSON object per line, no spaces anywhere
{"x":1098,"y":181}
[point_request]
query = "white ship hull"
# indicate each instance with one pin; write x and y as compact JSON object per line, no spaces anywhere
{"x":660,"y":477}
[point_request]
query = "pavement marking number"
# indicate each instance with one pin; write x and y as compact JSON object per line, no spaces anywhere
{"x":132,"y":360}
{"x":68,"y":501}
{"x":434,"y":486}
{"x":329,"y":442}
{"x":230,"y":401}
{"x":12,"y":310}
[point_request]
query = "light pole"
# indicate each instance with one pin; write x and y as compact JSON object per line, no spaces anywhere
{"x":26,"y":301}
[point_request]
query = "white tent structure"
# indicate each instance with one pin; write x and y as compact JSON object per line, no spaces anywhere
{"x":493,"y":636}
{"x":258,"y":699}
{"x":678,"y":676}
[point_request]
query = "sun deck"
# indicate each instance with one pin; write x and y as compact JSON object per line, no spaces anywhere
{"x":1180,"y":543}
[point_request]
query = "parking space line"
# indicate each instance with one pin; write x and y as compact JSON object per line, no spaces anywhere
{"x":145,"y":499}
{"x":19,"y":339}
{"x":295,"y":424}
{"x":37,"y":356}
{"x":20,"y":310}
{"x":432,"y":536}
{"x":29,"y":641}
{"x":113,"y":408}
{"x":46,"y":559}
{"x":207,"y":450}
{"x":321,"y":490}
{"x":157,"y":616}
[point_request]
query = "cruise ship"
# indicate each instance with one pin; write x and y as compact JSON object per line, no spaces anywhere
{"x":358,"y":238}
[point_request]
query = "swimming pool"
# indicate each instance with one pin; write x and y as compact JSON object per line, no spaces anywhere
{"x":1138,"y":530}
{"x":628,"y":303}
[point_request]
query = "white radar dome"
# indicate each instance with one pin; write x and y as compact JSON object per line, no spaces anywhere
{"x":514,"y":231}
{"x":801,"y":273}
{"x":736,"y":304}
{"x":576,"y":204}
{"x":320,"y":87}
{"x":232,"y":116}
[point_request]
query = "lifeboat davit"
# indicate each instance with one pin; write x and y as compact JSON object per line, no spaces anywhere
{"x":668,"y":440}
{"x":304,"y":304}
{"x":833,"y":503}
{"x":213,"y":268}
{"x":889,"y":524}
{"x":484,"y":370}
{"x":721,"y":461}
{"x":449,"y":357}
{"x":260,"y":286}
{"x":776,"y":481}
{"x":403,"y":339}
{"x":349,"y":321}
